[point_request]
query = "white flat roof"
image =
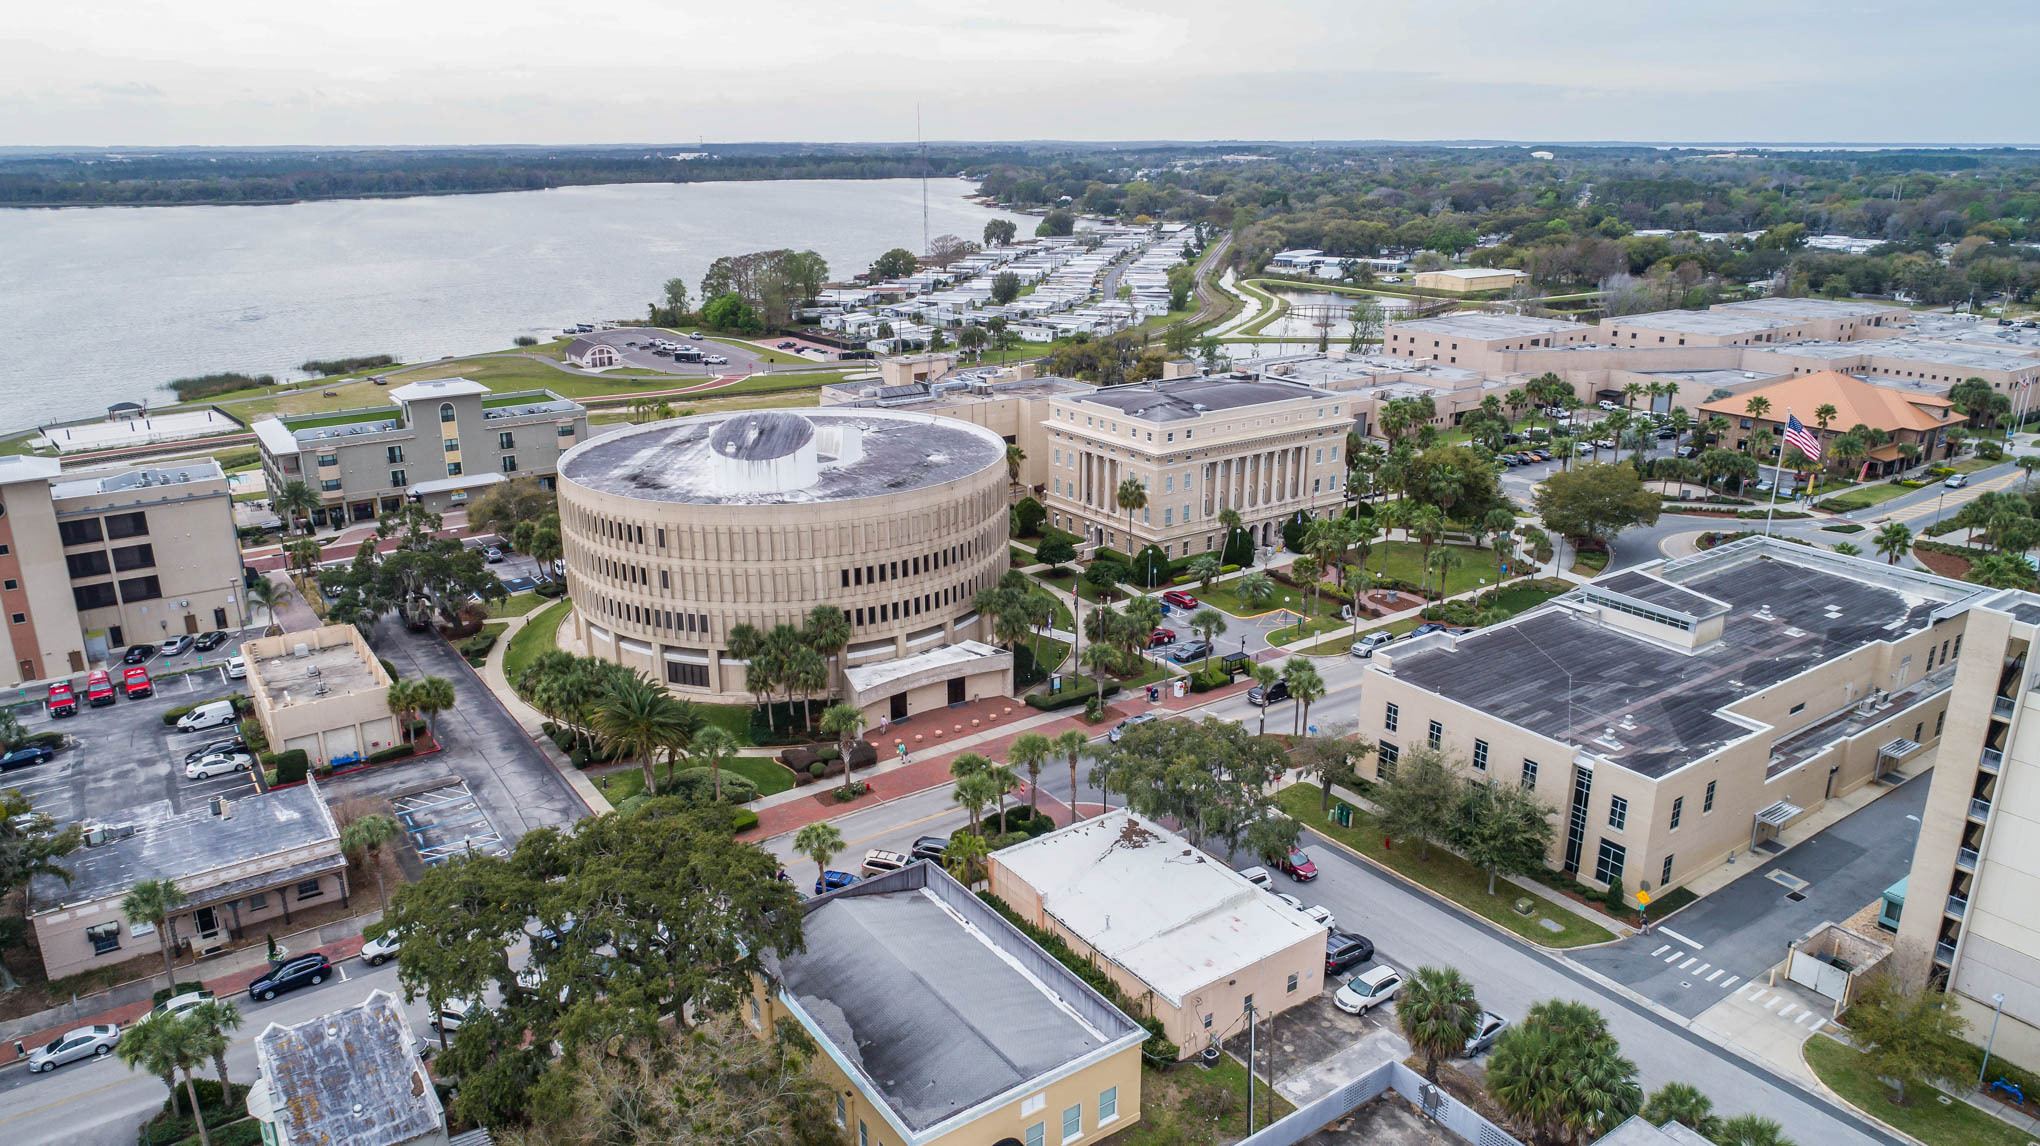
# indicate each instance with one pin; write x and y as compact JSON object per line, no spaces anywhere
{"x":465,"y":482}
{"x":1475,"y":272}
{"x":864,"y":678}
{"x":22,"y":467}
{"x":1144,"y":898}
{"x":438,"y":388}
{"x":275,"y":437}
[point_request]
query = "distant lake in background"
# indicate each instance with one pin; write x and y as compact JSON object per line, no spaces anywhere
{"x":109,"y":303}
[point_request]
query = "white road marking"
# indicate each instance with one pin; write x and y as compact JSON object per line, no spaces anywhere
{"x":1776,"y":1002}
{"x":1730,"y":982}
{"x":1804,"y":1015}
{"x":1717,"y":974}
{"x":1674,"y":956}
{"x":1682,"y":939}
{"x":1760,"y":996}
{"x":1688,"y":964}
{"x":1661,"y":950}
{"x":1702,"y":967}
{"x":1819,"y":1025}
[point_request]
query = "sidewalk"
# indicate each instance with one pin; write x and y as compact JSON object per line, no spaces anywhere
{"x":531,"y":719}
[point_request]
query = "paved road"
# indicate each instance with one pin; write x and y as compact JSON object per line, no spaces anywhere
{"x":1736,"y":934}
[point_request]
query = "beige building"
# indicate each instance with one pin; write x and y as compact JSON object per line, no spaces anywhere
{"x":941,"y":1024}
{"x":244,"y":864}
{"x":1473,"y":340}
{"x":444,"y":441}
{"x":1181,"y":933}
{"x":1469,"y":280}
{"x":322,"y":690}
{"x":1912,"y":418}
{"x":1674,"y":715}
{"x":350,"y":1076}
{"x":1968,"y":924}
{"x":677,"y":532}
{"x":96,"y":559}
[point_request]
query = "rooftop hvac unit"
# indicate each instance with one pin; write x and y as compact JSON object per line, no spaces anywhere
{"x":301,"y":650}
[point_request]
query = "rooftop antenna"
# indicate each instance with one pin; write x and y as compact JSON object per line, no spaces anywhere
{"x":924,"y":177}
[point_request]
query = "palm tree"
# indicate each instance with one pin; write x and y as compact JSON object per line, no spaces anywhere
{"x":1254,"y":589}
{"x":975,"y":794}
{"x":1390,"y":516}
{"x":303,"y":557}
{"x":1358,"y":582}
{"x":295,"y":500}
{"x":365,"y":837}
{"x":1757,"y":406}
{"x":1130,"y":495}
{"x":1071,"y":746}
{"x":155,"y":902}
{"x":1824,"y":413}
{"x":1443,"y":562}
{"x":138,"y":1049}
{"x":1211,"y":623}
{"x":1438,"y":1013}
{"x":1014,"y":456}
{"x":1100,"y":659}
{"x":1206,"y":569}
{"x":1265,"y":677}
{"x":431,"y":696}
{"x":163,"y":1045}
{"x":1005,"y":779}
{"x":1305,"y":686}
{"x":268,"y":596}
{"x":641,"y":718}
{"x":715,"y":746}
{"x":402,"y":703}
{"x":964,"y":858}
{"x":1894,"y":541}
{"x":1230,"y":520}
{"x":819,"y":842}
{"x":1848,"y":549}
{"x":1685,"y":1104}
{"x":1749,"y":1130}
{"x":844,"y":722}
{"x":219,"y":1018}
{"x":1030,"y":751}
{"x":1427,"y":524}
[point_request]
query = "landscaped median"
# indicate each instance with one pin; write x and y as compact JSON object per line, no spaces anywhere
{"x":1933,"y":1117}
{"x":1449,"y":876}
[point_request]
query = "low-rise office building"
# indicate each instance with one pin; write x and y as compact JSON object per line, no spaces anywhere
{"x":941,"y":1024}
{"x":242,"y":863}
{"x":350,"y":1077}
{"x":1675,"y":714}
{"x":92,"y":560}
{"x":1470,"y":339}
{"x":323,"y":691}
{"x":1182,"y":934}
{"x":1469,"y":280}
{"x":443,"y":441}
{"x":1914,"y":418}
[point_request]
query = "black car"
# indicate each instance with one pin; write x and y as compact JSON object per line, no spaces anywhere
{"x":230,"y":744}
{"x":1189,"y":651}
{"x":302,"y":971}
{"x":23,"y":758}
{"x":931,"y":848}
{"x":1261,"y":698}
{"x":136,"y":654}
{"x":1666,"y":433}
{"x":1344,"y":950}
{"x":210,"y":641}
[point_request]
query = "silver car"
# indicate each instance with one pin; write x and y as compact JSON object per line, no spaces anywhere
{"x":85,"y":1042}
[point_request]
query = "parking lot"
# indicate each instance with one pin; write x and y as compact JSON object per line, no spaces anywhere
{"x":122,"y":759}
{"x":634,"y":351}
{"x":447,"y":822}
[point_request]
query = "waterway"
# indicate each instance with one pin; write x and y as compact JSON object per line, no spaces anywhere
{"x":1307,"y":307}
{"x":109,"y":303}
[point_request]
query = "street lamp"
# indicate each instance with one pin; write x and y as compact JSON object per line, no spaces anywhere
{"x":1999,"y":1000}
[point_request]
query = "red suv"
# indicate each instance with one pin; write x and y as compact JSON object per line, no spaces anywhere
{"x":1297,"y":866}
{"x":62,"y":701}
{"x":1161,"y":637}
{"x":1180,"y":599}
{"x":136,"y":681}
{"x":98,"y":688}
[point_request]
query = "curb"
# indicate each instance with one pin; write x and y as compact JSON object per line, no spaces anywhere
{"x":1828,"y":1092}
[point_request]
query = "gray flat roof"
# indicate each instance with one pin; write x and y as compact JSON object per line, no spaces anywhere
{"x":1811,"y":308}
{"x":1958,"y":354}
{"x":936,"y":1000}
{"x":1663,"y":594}
{"x":1470,"y":325}
{"x":1572,"y":679}
{"x":186,"y":846}
{"x":141,"y":477}
{"x":674,"y":462}
{"x":1702,"y":321}
{"x":1180,"y":400}
{"x":350,"y":1077}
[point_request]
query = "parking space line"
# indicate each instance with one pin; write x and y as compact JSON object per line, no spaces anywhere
{"x":1701,"y":967}
{"x":1776,"y":1002}
{"x":1730,"y":982}
{"x":1717,"y":974}
{"x":1819,"y":1025}
{"x":1674,"y":956}
{"x":1661,"y":950}
{"x":1688,"y":964}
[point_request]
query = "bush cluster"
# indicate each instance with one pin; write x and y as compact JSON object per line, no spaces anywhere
{"x":1071,"y":696}
{"x":291,"y":765}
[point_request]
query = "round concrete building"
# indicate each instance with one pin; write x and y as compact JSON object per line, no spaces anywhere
{"x":676,"y":532}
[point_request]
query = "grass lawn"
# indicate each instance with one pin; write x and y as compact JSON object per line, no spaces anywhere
{"x":1195,"y":1105}
{"x":1068,"y":581}
{"x":1449,"y":876}
{"x":1956,"y":1124}
{"x":762,"y":350}
{"x":1592,"y":562}
{"x":1406,"y":563}
{"x":768,"y":775}
{"x":515,"y":605}
{"x":1225,"y":599}
{"x":539,"y":634}
{"x":1020,"y":558}
{"x":1517,"y":597}
{"x":1862,"y":498}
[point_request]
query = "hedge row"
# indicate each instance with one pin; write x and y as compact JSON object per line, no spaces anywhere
{"x":1070,"y":697}
{"x":475,"y":649}
{"x":290,"y":765}
{"x":393,"y":752}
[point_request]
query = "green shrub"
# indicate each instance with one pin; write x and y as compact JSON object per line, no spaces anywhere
{"x":1028,"y":514}
{"x":475,"y":649}
{"x":291,"y":764}
{"x":828,"y":752}
{"x":246,"y":1132}
{"x":697,"y":786}
{"x":744,"y":820}
{"x":1071,"y":696}
{"x":1204,"y":680}
{"x":818,"y":769}
{"x":389,"y":667}
{"x":164,"y":993}
{"x":167,"y":1131}
{"x":393,"y":752}
{"x":550,"y":589}
{"x":1225,"y":569}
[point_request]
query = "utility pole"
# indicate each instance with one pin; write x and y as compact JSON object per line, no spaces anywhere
{"x":1250,"y":1065}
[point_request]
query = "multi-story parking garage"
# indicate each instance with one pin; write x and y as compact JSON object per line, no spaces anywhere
{"x":679,"y":531}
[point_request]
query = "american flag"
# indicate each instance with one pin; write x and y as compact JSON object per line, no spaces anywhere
{"x":1798,"y":435}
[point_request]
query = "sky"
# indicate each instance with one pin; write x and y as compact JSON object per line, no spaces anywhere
{"x":107,"y":73}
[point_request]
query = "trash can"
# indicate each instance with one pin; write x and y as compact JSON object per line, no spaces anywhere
{"x":1154,"y":693}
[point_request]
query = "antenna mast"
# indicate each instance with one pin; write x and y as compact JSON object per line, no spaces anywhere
{"x":918,"y":138}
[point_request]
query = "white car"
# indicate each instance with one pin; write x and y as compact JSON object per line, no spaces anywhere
{"x":1368,"y":989}
{"x":715,"y":360}
{"x":189,"y":1000}
{"x":1320,"y":914}
{"x":1294,"y":903}
{"x":95,"y":1041}
{"x":1258,"y":876}
{"x":376,"y":952}
{"x":237,"y":667}
{"x":218,"y":764}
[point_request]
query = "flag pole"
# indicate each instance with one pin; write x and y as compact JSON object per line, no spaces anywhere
{"x":1777,"y":473}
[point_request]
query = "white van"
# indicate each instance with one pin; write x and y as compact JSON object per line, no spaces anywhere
{"x":213,"y":714}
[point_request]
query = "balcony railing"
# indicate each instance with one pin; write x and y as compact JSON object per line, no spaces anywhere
{"x":1991,"y":760}
{"x":1957,"y":906}
{"x":1966,"y":858}
{"x":2002,"y":706}
{"x":1979,"y":808}
{"x":1944,"y":953}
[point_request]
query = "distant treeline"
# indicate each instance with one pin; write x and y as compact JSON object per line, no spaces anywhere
{"x":327,"y":367}
{"x":207,"y":385}
{"x":54,"y":180}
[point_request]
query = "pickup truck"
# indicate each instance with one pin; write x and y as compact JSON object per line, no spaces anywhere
{"x":62,"y":701}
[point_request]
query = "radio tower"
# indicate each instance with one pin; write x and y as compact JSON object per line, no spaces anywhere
{"x":924,"y":178}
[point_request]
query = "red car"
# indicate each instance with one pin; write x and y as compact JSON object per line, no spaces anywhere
{"x":1179,"y":599}
{"x":98,"y":688}
{"x":1161,"y":637}
{"x":137,"y":683}
{"x":62,"y":701}
{"x":1297,"y":866}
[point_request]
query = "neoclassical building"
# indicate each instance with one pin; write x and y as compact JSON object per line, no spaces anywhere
{"x":678,"y":531}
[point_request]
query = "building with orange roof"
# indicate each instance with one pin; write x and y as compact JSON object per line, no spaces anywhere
{"x":1906,"y":416}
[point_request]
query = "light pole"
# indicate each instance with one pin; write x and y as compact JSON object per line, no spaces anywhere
{"x":1999,"y":1000}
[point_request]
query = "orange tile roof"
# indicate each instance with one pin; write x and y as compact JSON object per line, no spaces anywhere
{"x":1854,"y":401}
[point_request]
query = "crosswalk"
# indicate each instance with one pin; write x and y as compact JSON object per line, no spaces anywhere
{"x":1953,"y":499}
{"x":1784,"y":1006}
{"x":1694,"y":965}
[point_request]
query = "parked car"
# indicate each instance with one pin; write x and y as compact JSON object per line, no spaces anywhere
{"x":217,"y":764}
{"x":1666,"y":433}
{"x":1180,"y":599}
{"x":1258,"y":876}
{"x":1365,"y":646}
{"x":377,"y":952}
{"x":25,"y":758}
{"x":696,"y":336}
{"x":1161,"y":637}
{"x":1491,"y":1026}
{"x":94,"y":1041}
{"x":1296,"y":865}
{"x":1189,"y":651}
{"x":1367,"y":990}
{"x":1343,"y":949}
{"x":1134,"y":721}
{"x":492,"y":555}
{"x":212,"y":714}
{"x":879,"y":861}
{"x":715,"y":360}
{"x":178,"y":1004}
{"x":931,"y":848}
{"x":134,"y":679}
{"x":1262,"y":698}
{"x":831,"y":880}
{"x":1430,"y":627}
{"x":788,"y":344}
{"x":227,"y":744}
{"x":136,"y":654}
{"x":452,"y":1013}
{"x":1607,"y":405}
{"x":1955,"y":482}
{"x":1688,"y":451}
{"x":301,"y":971}
{"x":61,"y":700}
{"x":210,"y":641}
{"x":237,"y":667}
{"x":177,"y":646}
{"x":98,"y":688}
{"x":1320,"y":914}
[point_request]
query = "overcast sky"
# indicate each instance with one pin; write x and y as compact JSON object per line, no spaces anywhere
{"x":253,"y":72}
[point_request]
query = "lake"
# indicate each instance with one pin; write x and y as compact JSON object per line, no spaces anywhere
{"x":1308,"y":306}
{"x":109,"y":303}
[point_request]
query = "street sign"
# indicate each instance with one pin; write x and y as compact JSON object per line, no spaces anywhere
{"x":1643,"y":897}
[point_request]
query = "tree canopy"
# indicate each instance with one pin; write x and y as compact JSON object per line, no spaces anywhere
{"x":1596,"y":501}
{"x":1211,"y":776}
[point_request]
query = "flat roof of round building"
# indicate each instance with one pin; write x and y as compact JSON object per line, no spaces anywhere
{"x":688,"y":460}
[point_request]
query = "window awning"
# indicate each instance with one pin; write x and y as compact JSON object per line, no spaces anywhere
{"x":1779,"y":813}
{"x":1899,"y":747}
